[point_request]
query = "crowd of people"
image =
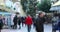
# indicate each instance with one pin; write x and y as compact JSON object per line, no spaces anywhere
{"x":29,"y":20}
{"x":38,"y":21}
{"x":56,"y":22}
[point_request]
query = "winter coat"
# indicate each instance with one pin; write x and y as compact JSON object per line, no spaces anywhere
{"x":39,"y":24}
{"x":19,"y":20}
{"x":1,"y":23}
{"x":28,"y":20}
{"x":15,"y":20}
{"x":22,"y":19}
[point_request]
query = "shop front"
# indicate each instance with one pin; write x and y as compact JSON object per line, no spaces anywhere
{"x":6,"y":18}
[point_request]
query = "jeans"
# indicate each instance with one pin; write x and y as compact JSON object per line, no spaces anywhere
{"x":29,"y":28}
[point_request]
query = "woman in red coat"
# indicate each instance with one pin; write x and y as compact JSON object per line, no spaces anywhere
{"x":28,"y":22}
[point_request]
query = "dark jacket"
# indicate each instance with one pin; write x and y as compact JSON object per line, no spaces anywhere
{"x":15,"y":20}
{"x":39,"y":24}
{"x":22,"y":19}
{"x":19,"y":20}
{"x":1,"y":23}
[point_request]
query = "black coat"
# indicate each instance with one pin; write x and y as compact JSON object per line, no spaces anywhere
{"x":15,"y":20}
{"x":22,"y":19}
{"x":1,"y":23}
{"x":19,"y":20}
{"x":39,"y":24}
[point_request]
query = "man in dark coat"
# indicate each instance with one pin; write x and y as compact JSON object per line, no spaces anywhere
{"x":1,"y":23}
{"x":22,"y":20}
{"x":19,"y":21}
{"x":15,"y":21}
{"x":40,"y":22}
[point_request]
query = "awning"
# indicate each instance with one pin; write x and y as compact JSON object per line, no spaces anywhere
{"x":56,"y":4}
{"x":5,"y":13}
{"x":55,"y":8}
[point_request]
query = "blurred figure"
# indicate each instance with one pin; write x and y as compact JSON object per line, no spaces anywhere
{"x":33,"y":18}
{"x":23,"y":20}
{"x":55,"y":22}
{"x":19,"y":21}
{"x":40,"y":22}
{"x":15,"y":22}
{"x":1,"y":23}
{"x":28,"y":22}
{"x":59,"y":22}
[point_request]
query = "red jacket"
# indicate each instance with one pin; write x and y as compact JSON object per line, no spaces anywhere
{"x":28,"y":20}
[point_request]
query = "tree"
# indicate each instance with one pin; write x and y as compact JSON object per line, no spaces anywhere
{"x":29,"y":6}
{"x":45,"y":5}
{"x":24,"y":3}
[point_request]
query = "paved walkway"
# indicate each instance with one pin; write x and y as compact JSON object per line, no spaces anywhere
{"x":47,"y":28}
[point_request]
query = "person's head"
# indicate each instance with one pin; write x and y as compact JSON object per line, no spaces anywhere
{"x":17,"y":14}
{"x":41,"y":14}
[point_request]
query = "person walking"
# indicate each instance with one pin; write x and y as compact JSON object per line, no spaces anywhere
{"x":33,"y":18}
{"x":22,"y":19}
{"x":19,"y":21}
{"x":55,"y":19}
{"x":40,"y":22}
{"x":1,"y":23}
{"x":15,"y":22}
{"x":28,"y":22}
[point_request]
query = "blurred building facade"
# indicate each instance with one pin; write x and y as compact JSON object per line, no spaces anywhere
{"x":12,"y":6}
{"x":2,"y":4}
{"x":55,"y":6}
